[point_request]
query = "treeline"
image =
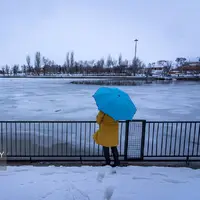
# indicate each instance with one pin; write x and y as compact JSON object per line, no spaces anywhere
{"x":41,"y":65}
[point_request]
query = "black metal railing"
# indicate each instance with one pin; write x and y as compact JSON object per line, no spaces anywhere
{"x":63,"y":139}
{"x":172,"y":139}
{"x":67,"y":140}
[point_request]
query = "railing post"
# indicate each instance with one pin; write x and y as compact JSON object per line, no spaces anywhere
{"x":126,"y":140}
{"x":143,"y":139}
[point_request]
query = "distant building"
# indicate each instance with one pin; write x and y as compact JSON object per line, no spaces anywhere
{"x":190,"y":68}
{"x":156,"y":70}
{"x":175,"y":73}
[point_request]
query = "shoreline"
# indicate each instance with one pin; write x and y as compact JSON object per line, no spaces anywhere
{"x":121,"y":78}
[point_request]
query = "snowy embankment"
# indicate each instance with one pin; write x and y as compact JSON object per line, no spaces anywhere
{"x":96,"y":183}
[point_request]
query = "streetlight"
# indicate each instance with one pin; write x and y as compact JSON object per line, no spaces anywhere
{"x":136,"y":40}
{"x":134,"y":60}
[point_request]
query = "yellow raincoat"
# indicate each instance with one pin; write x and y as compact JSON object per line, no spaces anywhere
{"x":107,"y":135}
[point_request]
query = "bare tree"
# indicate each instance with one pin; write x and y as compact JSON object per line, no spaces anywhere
{"x":45,"y":65}
{"x":45,"y":60}
{"x":167,"y":68}
{"x":109,"y":61}
{"x":136,"y":65}
{"x":72,"y":59}
{"x":148,"y":70}
{"x":114,"y":63}
{"x":15,"y":69}
{"x":24,"y":69}
{"x":180,"y":61}
{"x":125,"y":63}
{"x":153,"y":64}
{"x":7,"y":70}
{"x":101,"y":62}
{"x":66,"y":65}
{"x":67,"y":60}
{"x":3,"y":71}
{"x":162,"y":63}
{"x":38,"y":63}
{"x":120,"y":59}
{"x":142,"y":68}
{"x":99,"y":66}
{"x":28,"y":61}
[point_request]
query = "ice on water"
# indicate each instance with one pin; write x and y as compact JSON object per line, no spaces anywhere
{"x":56,"y":99}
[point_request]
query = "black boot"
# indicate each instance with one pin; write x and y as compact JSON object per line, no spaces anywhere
{"x":106,"y":155}
{"x":115,"y":156}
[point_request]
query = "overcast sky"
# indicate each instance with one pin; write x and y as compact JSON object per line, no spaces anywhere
{"x":95,"y":28}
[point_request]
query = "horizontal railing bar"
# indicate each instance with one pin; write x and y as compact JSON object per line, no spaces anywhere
{"x":68,"y":121}
{"x":166,"y":160}
{"x":55,"y":156}
{"x":167,"y":156}
{"x":71,"y":156}
{"x":59,"y":121}
{"x":181,"y":121}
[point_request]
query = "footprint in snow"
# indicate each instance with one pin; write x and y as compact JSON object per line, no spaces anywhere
{"x":108,"y":193}
{"x":7,"y":174}
{"x":174,"y":181}
{"x":47,"y":173}
{"x":159,"y":174}
{"x":141,"y":178}
{"x":46,"y":195}
{"x":100,"y":176}
{"x":195,"y":176}
{"x":21,"y":170}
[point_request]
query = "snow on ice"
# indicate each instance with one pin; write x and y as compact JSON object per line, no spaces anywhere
{"x":56,"y":99}
{"x":83,"y":183}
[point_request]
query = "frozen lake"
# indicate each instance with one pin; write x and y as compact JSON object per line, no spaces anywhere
{"x":56,"y":99}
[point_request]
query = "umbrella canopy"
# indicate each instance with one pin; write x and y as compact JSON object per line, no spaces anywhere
{"x":115,"y":103}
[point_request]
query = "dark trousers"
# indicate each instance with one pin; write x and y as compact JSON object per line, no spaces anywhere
{"x":107,"y":155}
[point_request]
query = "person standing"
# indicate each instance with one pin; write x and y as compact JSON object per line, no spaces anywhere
{"x":107,"y":136}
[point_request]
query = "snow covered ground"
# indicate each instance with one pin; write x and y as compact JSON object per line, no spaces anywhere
{"x":56,"y":99}
{"x":96,"y":183}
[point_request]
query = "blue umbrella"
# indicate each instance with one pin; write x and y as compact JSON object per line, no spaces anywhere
{"x":115,"y":103}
